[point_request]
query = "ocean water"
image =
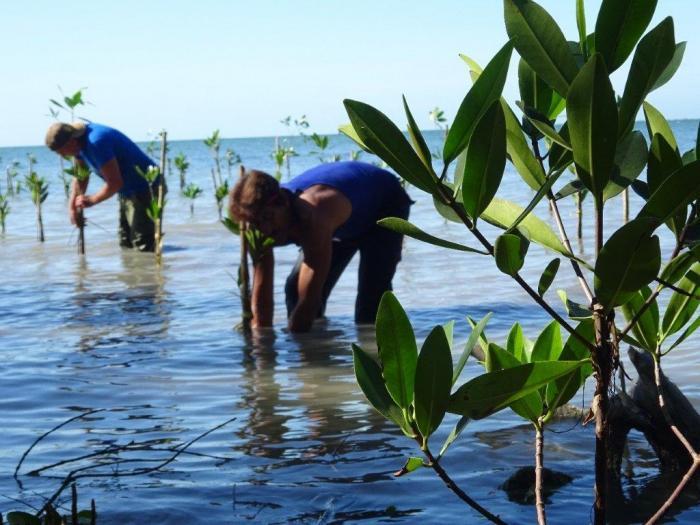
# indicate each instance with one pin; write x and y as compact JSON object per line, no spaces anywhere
{"x":154,"y":351}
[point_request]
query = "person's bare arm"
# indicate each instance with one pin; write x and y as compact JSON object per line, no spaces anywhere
{"x":113,"y":183}
{"x":262,"y":302}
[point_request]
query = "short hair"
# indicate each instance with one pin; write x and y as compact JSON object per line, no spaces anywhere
{"x":254,"y":191}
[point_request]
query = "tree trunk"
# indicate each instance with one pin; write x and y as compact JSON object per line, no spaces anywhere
{"x":539,"y":468}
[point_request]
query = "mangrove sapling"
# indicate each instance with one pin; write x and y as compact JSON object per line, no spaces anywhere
{"x":598,"y":139}
{"x":156,"y":205}
{"x":182,"y":165}
{"x":321,"y":142}
{"x":4,"y":211}
{"x":81,"y":174}
{"x":232,"y":158}
{"x":11,"y":172}
{"x":39,"y":190}
{"x":281,"y":155}
{"x":214,"y":145}
{"x":192,"y":191}
{"x":220,"y":194}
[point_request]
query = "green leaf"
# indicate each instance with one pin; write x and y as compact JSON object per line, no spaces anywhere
{"x":534,"y":92}
{"x":544,"y":190}
{"x":651,"y":59}
{"x":674,"y":194}
{"x":486,"y":160}
{"x":417,"y":138}
{"x":406,"y":228}
{"x":547,"y":277}
{"x":503,"y":213}
{"x":629,"y":260}
{"x":349,"y":131}
{"x":619,"y":25}
{"x":548,"y":345}
{"x":682,"y":306}
{"x":646,"y":329}
{"x":433,"y":381}
{"x":519,"y":152}
{"x":591,"y":111}
{"x":528,"y":407}
{"x":574,"y":310}
{"x":485,"y":91}
{"x":559,"y":157}
{"x":473,"y":66}
{"x":677,"y":267}
{"x":369,"y":377}
{"x":493,"y":391}
{"x":474,"y":337}
{"x":657,"y":123}
{"x":630,"y":159}
{"x":686,"y":333}
{"x":663,"y":161}
{"x":510,"y":250}
{"x":515,"y":344}
{"x":231,"y":225}
{"x":386,"y":141}
{"x":545,"y":127}
{"x":454,"y":434}
{"x":672,"y":67}
{"x":397,"y":349}
{"x":541,"y":43}
{"x":581,"y":26}
{"x":412,"y":464}
{"x":22,"y":518}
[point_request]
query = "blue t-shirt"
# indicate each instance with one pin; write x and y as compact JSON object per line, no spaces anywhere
{"x":371,"y":191}
{"x":103,"y":144}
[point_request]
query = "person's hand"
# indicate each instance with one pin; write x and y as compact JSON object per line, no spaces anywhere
{"x":84,"y":201}
{"x":76,"y":218}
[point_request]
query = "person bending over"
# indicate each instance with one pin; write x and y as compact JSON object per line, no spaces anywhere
{"x":114,"y":158}
{"x":331,"y":212}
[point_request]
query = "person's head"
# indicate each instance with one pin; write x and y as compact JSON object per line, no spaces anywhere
{"x":258,"y":200}
{"x":65,"y":139}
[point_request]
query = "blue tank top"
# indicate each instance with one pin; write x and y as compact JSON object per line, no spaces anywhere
{"x":371,"y":191}
{"x":103,"y":144}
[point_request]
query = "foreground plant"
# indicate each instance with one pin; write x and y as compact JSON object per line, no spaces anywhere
{"x":81,"y":173}
{"x":192,"y":191}
{"x":11,"y":172}
{"x":39,"y":190}
{"x":156,"y":206}
{"x":182,"y":165}
{"x":556,"y":77}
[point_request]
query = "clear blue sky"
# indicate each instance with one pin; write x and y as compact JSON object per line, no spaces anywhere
{"x":241,"y":66}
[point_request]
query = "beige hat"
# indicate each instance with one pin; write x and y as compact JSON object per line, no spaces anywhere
{"x":59,"y":133}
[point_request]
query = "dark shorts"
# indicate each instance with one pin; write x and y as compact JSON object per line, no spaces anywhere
{"x":380,"y":253}
{"x":136,"y":229}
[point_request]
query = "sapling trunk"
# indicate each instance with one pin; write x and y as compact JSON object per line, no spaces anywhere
{"x":39,"y":222}
{"x":244,"y":276}
{"x":625,"y":206}
{"x":539,"y":474}
{"x":80,"y":218}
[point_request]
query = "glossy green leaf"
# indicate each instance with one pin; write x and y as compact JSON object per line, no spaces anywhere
{"x":433,"y":381}
{"x":453,"y":435}
{"x":503,"y":213}
{"x":545,"y":127}
{"x":493,"y":391}
{"x":673,"y":194}
{"x":547,"y":277}
{"x":485,"y":162}
{"x":386,"y":141}
{"x":349,"y":131}
{"x":682,"y":306}
{"x":630,"y":160}
{"x":473,"y":65}
{"x":515,"y":343}
{"x":412,"y":464}
{"x":619,"y":26}
{"x":477,"y":331}
{"x":573,"y":187}
{"x":540,"y":42}
{"x":535,"y":93}
{"x":449,"y":328}
{"x":485,"y":91}
{"x":664,"y":160}
{"x":406,"y":228}
{"x":548,"y":345}
{"x":646,"y":329}
{"x":651,"y":59}
{"x":519,"y":152}
{"x":592,"y":118}
{"x":417,"y":138}
{"x":657,"y":123}
{"x":510,"y":250}
{"x":398,"y":352}
{"x":672,"y":66}
{"x":528,"y":407}
{"x":677,"y":267}
{"x":692,"y":327}
{"x":559,"y":157}
{"x":629,"y":260}
{"x":581,"y":26}
{"x":541,"y":193}
{"x":574,"y":310}
{"x":369,"y":377}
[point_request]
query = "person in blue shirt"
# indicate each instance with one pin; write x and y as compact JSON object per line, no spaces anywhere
{"x":331,"y":212}
{"x":115,"y":159}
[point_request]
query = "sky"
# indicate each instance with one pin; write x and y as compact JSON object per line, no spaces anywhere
{"x":242,"y":66}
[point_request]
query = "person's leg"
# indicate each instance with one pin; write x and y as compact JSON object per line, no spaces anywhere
{"x":124,"y":230}
{"x":142,"y":227}
{"x":380,"y":253}
{"x":342,"y":253}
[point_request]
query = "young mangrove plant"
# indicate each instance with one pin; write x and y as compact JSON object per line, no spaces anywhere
{"x":4,"y":211}
{"x":39,"y":191}
{"x":81,"y":173}
{"x":157,"y":189}
{"x":321,"y":142}
{"x":214,"y":145}
{"x":556,"y":77}
{"x":232,"y":158}
{"x":192,"y":191}
{"x":182,"y":165}
{"x":69,"y":104}
{"x":281,"y":155}
{"x":11,"y":173}
{"x":220,"y":194}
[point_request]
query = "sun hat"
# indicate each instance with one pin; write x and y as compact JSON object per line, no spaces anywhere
{"x":59,"y":133}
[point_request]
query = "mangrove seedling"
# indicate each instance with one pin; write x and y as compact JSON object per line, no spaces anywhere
{"x":192,"y":191}
{"x":281,"y":155}
{"x":214,"y":145}
{"x":4,"y":211}
{"x":321,"y":142}
{"x":81,"y":174}
{"x":220,"y":194}
{"x":598,"y":139}
{"x":12,"y":171}
{"x":156,"y":204}
{"x":39,"y":190}
{"x":182,"y":165}
{"x":232,"y":158}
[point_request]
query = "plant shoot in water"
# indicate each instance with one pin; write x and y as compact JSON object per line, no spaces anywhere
{"x":39,"y":191}
{"x":182,"y":165}
{"x":4,"y":211}
{"x":192,"y":191}
{"x":69,"y":104}
{"x":11,"y":172}
{"x":81,"y":173}
{"x":232,"y":158}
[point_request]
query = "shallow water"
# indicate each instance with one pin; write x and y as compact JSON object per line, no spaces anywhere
{"x":155,"y":350}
